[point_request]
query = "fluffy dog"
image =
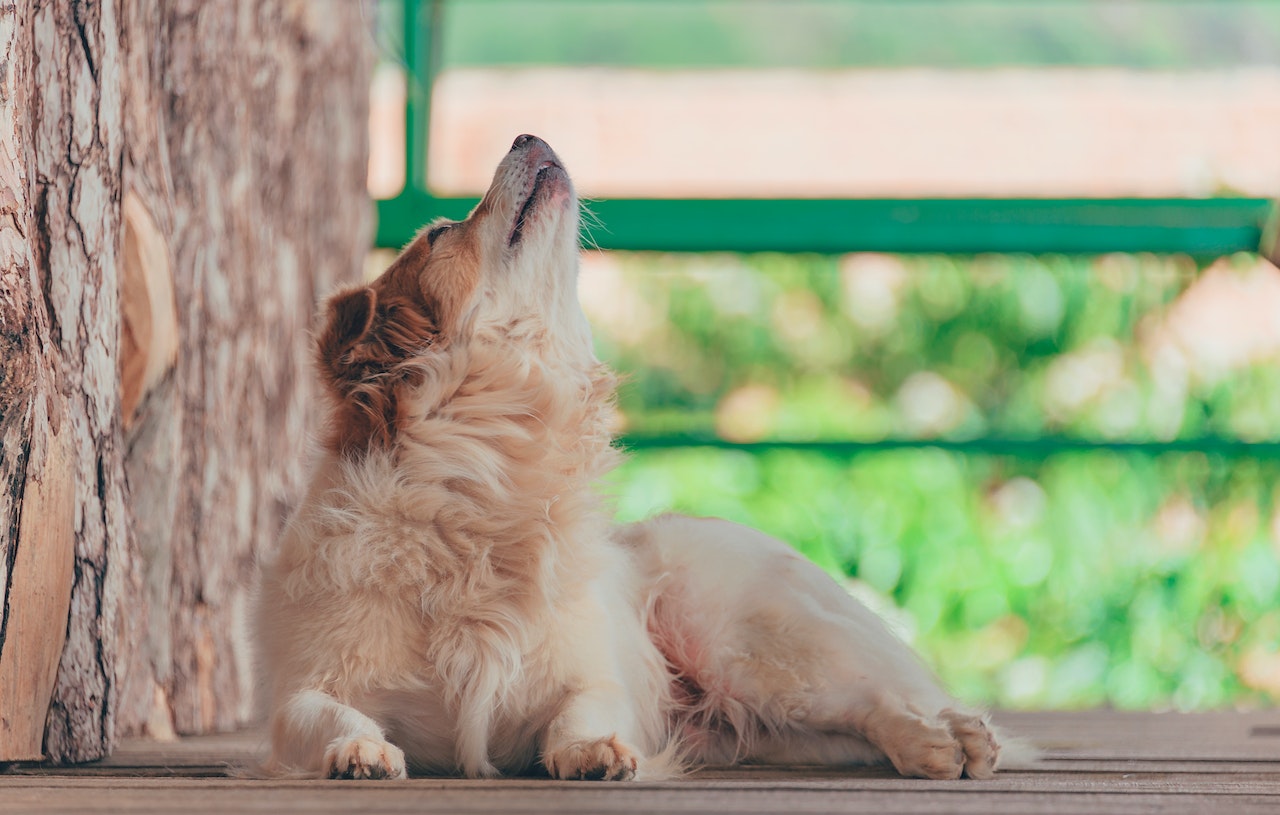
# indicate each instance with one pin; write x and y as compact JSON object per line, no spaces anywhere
{"x":452,"y":597}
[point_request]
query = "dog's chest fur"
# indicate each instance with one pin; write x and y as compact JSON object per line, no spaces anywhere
{"x":475,"y":533}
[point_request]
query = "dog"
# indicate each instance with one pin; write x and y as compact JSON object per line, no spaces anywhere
{"x":452,"y":597}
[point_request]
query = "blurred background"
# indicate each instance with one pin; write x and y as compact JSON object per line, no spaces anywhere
{"x":1085,"y":528}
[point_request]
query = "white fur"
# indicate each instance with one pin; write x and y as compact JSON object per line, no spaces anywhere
{"x":460,"y":602}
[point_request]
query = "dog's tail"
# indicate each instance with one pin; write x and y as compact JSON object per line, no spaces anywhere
{"x":669,"y":763}
{"x":1017,"y":752}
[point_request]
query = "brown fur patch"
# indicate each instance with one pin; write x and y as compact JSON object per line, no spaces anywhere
{"x":372,"y":332}
{"x":450,"y":278}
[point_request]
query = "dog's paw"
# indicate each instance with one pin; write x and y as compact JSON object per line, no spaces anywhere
{"x":981,"y":750}
{"x":363,"y":757}
{"x":592,"y":760}
{"x":920,"y":749}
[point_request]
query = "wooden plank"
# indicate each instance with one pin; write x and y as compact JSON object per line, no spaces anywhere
{"x":418,"y":796}
{"x":1104,"y":762}
{"x":1109,"y":734}
{"x":242,"y":747}
{"x":1087,"y":783}
{"x":1089,"y":736}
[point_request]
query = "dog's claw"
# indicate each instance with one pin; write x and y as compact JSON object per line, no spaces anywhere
{"x":364,"y":758}
{"x":587,"y":760}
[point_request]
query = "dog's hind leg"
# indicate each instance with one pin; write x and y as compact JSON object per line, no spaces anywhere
{"x":315,"y":733}
{"x":798,"y":668}
{"x":944,"y":746}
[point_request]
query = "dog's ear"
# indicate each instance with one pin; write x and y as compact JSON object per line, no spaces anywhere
{"x":350,"y":319}
{"x":349,"y":322}
{"x":351,"y":357}
{"x":368,"y":336}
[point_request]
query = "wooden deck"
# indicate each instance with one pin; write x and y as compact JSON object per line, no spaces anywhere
{"x":1099,"y":761}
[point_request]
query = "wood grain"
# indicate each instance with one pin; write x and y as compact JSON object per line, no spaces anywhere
{"x":38,"y":601}
{"x":211,"y":774}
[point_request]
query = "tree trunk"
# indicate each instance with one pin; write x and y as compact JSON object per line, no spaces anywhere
{"x":63,"y":460}
{"x":180,"y":181}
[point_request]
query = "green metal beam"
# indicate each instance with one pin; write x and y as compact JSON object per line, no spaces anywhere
{"x":1032,"y":448}
{"x":1203,"y":227}
{"x":423,"y":51}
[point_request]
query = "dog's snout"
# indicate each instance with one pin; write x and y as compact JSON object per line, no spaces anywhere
{"x":522,"y":140}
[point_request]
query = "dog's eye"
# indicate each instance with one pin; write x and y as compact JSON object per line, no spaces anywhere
{"x":437,"y":231}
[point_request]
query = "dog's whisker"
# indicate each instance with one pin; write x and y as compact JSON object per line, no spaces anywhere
{"x":590,"y":222}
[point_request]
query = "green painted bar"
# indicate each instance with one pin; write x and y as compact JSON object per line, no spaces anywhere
{"x":1033,"y":448}
{"x":1203,"y":227}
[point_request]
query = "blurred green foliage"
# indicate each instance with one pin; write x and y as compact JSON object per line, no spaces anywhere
{"x":845,"y":33}
{"x":1077,"y":580}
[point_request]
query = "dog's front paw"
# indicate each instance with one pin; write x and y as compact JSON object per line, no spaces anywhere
{"x":363,"y":757}
{"x":592,"y":760}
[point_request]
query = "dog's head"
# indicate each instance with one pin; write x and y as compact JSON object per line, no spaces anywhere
{"x":507,"y":273}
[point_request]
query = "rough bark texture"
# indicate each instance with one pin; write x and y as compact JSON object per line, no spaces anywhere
{"x":28,"y":427}
{"x":180,"y":181}
{"x":64,"y":121}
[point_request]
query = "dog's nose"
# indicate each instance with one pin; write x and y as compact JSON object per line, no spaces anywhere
{"x":522,"y":140}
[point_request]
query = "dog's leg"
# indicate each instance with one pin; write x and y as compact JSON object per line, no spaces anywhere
{"x":805,"y":671}
{"x":316,"y":733}
{"x":582,"y":740}
{"x":612,"y":723}
{"x":916,"y":745}
{"x":869,"y":730}
{"x":907,"y":723}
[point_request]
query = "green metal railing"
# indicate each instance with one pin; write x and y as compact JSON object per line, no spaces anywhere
{"x":1029,"y":448}
{"x":1204,"y":228}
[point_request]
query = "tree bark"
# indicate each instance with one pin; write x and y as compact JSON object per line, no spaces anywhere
{"x":180,"y":181}
{"x":63,"y":451}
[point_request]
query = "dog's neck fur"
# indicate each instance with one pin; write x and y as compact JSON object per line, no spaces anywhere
{"x":503,"y":422}
{"x":497,"y":446}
